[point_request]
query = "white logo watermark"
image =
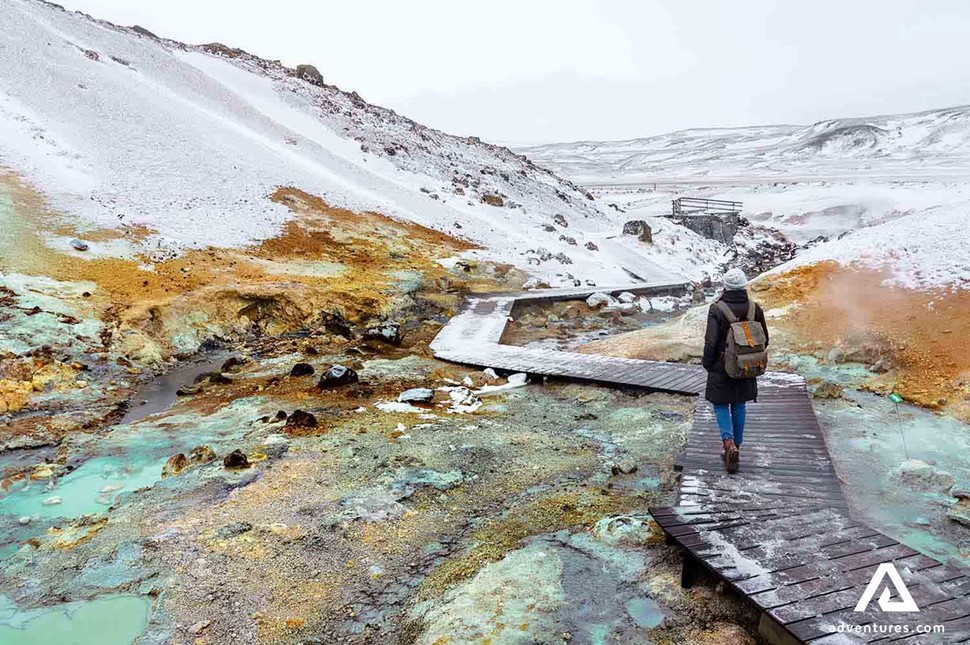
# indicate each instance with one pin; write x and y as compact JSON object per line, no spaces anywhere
{"x":888,"y":579}
{"x":905,"y":602}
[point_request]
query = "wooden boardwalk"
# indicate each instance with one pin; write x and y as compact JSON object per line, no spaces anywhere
{"x":779,"y":531}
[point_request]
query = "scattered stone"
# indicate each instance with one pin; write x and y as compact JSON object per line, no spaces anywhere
{"x":571,"y":241}
{"x":960,"y":513}
{"x":202,"y":455}
{"x":828,"y":390}
{"x":629,"y":530}
{"x":960,"y":490}
{"x":591,"y":247}
{"x":335,"y":323}
{"x":52,"y":501}
{"x":233,"y":363}
{"x":337,"y":376}
{"x":917,"y":474}
{"x":600,"y":299}
{"x":24,"y":521}
{"x":493,"y":200}
{"x":626,"y":297}
{"x":640,"y":229}
{"x":301,"y":419}
{"x":560,"y":219}
{"x":535,"y":283}
{"x":490,"y":374}
{"x":79,"y":245}
{"x":388,"y":332}
{"x":236,"y":459}
{"x":231,"y":530}
{"x":416,"y":395}
{"x":187,"y":390}
{"x":175,"y":465}
{"x":624,"y":467}
{"x":302,"y":369}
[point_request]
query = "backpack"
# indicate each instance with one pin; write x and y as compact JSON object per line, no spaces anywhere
{"x":745,"y":352}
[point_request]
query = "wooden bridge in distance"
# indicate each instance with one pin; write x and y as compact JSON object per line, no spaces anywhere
{"x":779,"y":532}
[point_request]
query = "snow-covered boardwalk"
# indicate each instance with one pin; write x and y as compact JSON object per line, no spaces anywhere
{"x":779,"y":531}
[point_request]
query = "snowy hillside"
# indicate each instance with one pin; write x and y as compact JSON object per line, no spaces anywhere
{"x":122,"y":129}
{"x":927,"y":145}
{"x":893,"y":188}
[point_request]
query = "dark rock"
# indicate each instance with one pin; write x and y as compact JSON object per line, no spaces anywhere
{"x":175,"y":465}
{"x":233,"y":362}
{"x":548,"y":228}
{"x":213,"y":377}
{"x":301,"y":419}
{"x":202,"y":455}
{"x":571,"y":241}
{"x":231,"y":530}
{"x":560,"y":219}
{"x":79,"y":245}
{"x":302,"y":369}
{"x":310,"y":74}
{"x":640,"y":229}
{"x":388,"y":332}
{"x":236,"y":459}
{"x":138,"y":29}
{"x":186,"y":390}
{"x":280,"y":416}
{"x":416,"y":395}
{"x":335,"y":323}
{"x":93,"y":55}
{"x":337,"y":376}
{"x":592,"y":247}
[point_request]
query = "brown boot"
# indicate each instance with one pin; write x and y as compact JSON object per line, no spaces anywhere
{"x":731,"y":456}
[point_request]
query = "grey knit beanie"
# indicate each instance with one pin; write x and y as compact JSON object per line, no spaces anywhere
{"x":734,"y":280}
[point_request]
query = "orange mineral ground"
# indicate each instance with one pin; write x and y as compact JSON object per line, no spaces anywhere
{"x":917,"y":341}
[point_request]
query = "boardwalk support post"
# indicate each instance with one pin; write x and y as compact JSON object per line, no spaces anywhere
{"x":690,"y":572}
{"x":772,"y":632}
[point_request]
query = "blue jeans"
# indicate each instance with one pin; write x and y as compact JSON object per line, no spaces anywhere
{"x":730,"y":421}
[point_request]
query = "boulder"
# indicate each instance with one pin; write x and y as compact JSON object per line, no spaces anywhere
{"x":310,"y":74}
{"x":388,"y":332}
{"x":590,"y":246}
{"x":827,"y":390}
{"x":416,"y":395}
{"x":626,"y":297}
{"x":599,"y":300}
{"x":202,"y":455}
{"x":640,"y":229}
{"x":302,"y":369}
{"x":301,"y":419}
{"x":337,"y":376}
{"x":235,"y":460}
{"x":175,"y":465}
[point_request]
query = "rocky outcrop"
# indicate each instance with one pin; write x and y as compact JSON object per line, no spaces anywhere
{"x":640,"y":229}
{"x":310,"y":74}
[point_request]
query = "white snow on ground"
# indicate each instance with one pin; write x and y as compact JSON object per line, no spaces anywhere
{"x":895,"y":186}
{"x":118,"y":128}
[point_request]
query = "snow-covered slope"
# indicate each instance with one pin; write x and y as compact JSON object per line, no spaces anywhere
{"x":120,"y":128}
{"x":895,"y":189}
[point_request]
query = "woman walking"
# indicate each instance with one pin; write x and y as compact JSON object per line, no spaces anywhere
{"x":729,"y":393}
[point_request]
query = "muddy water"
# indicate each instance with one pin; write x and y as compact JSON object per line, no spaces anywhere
{"x":159,"y":394}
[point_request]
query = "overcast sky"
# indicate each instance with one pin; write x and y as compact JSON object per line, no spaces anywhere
{"x":564,"y":70}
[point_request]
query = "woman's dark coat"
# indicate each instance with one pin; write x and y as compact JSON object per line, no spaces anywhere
{"x":721,"y":388}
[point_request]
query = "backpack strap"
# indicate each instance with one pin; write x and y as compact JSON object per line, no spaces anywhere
{"x":751,"y":310}
{"x":726,"y":310}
